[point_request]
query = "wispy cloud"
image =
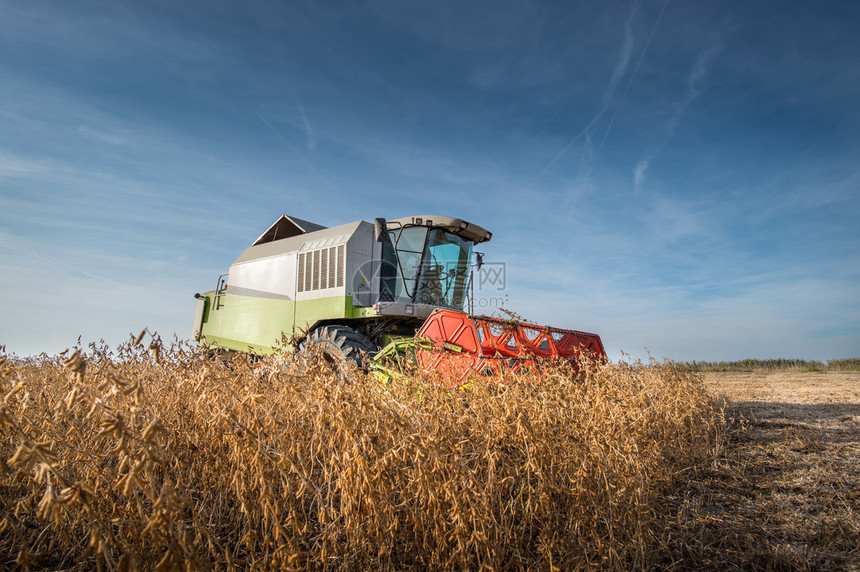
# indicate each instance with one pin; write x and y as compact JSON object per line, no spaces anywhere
{"x":92,"y":303}
{"x":620,"y":68}
{"x":635,"y":70}
{"x":645,"y":48}
{"x":110,"y":31}
{"x":311,"y":136}
{"x":691,"y":92}
{"x":639,"y":172}
{"x":720,"y":311}
{"x":102,"y":136}
{"x":622,"y":62}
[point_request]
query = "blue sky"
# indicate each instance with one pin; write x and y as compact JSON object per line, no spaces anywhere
{"x":677,"y":176}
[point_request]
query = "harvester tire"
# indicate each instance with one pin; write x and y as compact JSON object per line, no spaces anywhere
{"x":338,"y":345}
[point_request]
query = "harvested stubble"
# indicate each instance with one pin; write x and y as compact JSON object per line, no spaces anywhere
{"x":171,"y":459}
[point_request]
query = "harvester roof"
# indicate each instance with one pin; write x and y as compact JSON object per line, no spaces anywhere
{"x":458,"y":226}
{"x":287,"y":227}
{"x":288,"y":234}
{"x":318,"y":238}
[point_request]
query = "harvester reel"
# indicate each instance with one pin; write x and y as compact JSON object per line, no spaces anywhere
{"x":338,"y":346}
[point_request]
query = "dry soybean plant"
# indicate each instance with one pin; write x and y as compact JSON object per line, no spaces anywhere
{"x":163,"y":457}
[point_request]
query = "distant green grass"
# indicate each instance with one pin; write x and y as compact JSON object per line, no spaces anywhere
{"x":848,"y":364}
{"x":781,"y":364}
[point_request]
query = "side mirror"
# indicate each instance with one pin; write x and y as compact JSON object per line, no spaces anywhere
{"x":480,"y":260}
{"x":380,"y":230}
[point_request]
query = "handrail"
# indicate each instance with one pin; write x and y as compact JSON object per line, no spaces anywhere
{"x":220,"y":290}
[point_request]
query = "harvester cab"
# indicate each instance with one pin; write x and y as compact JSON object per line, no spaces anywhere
{"x":424,"y":264}
{"x":352,"y":289}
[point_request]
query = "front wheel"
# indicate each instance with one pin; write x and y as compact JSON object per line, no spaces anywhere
{"x":339,"y":345}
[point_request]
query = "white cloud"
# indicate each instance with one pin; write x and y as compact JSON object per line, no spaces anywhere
{"x":620,"y":68}
{"x":623,"y":59}
{"x":639,"y":172}
{"x":773,"y":316}
{"x":50,"y":297}
{"x":102,"y":136}
{"x":691,"y":92}
{"x":311,"y":137}
{"x":479,"y":27}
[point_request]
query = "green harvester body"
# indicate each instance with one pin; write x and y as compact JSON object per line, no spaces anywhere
{"x":380,"y":279}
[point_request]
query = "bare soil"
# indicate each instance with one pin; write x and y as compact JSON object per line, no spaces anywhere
{"x":785,"y":492}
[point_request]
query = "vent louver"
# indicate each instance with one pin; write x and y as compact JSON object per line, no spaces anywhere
{"x":320,"y":269}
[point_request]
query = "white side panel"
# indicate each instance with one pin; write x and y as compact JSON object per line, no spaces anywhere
{"x":274,"y":276}
{"x":360,"y":266}
{"x":329,"y":260}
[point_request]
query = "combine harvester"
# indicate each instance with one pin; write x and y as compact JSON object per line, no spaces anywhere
{"x":384,"y":290}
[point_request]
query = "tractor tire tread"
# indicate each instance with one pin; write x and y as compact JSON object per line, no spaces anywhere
{"x":359,"y":339}
{"x":349,"y":342}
